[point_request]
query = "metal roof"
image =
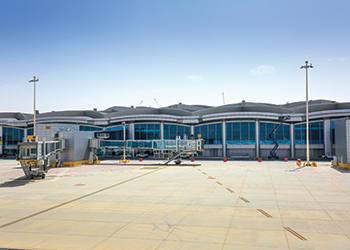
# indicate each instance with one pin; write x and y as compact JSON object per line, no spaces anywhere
{"x":183,"y":113}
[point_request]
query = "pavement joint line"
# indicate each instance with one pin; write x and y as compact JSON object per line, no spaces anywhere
{"x":264,"y":213}
{"x":302,"y":183}
{"x":243,"y":199}
{"x":185,"y":217}
{"x":79,"y":198}
{"x":234,"y":211}
{"x":295,"y":233}
{"x":278,"y":205}
{"x":149,"y":209}
{"x":230,"y":190}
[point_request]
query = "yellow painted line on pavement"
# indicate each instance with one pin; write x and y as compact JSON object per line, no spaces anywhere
{"x":295,"y":233}
{"x":218,"y":182}
{"x":245,"y":200}
{"x":229,"y":189}
{"x":264,"y":213}
{"x":79,"y":198}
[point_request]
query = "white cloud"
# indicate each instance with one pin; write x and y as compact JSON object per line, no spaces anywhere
{"x":342,"y":59}
{"x":194,"y":78}
{"x":263,"y":70}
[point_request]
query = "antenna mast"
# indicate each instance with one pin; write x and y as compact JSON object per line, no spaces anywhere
{"x":156,"y":102}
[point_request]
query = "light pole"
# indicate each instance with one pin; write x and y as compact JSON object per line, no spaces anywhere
{"x":307,"y":112}
{"x":34,"y":80}
{"x":124,"y":140}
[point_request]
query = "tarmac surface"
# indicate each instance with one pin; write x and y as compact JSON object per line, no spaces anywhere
{"x":200,"y":205}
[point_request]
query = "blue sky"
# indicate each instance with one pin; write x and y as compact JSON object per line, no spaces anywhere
{"x":98,"y":54}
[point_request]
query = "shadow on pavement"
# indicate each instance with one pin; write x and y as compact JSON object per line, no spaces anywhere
{"x":344,"y":171}
{"x":295,"y":170}
{"x":21,"y":181}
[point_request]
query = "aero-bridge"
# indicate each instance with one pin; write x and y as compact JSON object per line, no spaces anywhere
{"x":35,"y":156}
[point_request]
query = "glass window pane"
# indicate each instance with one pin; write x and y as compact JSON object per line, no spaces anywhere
{"x":286,"y":135}
{"x":204,"y":132}
{"x":166,"y":131}
{"x":188,"y":132}
{"x":262,"y":126}
{"x":218,"y":139}
{"x":157,"y":131}
{"x":236,"y":136}
{"x":172,"y":132}
{"x":251,"y":133}
{"x":244,"y":133}
{"x":229,"y":133}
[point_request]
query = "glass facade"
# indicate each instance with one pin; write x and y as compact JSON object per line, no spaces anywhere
{"x":240,"y":132}
{"x":12,"y":136}
{"x":89,"y":128}
{"x":171,"y":131}
{"x":211,"y":133}
{"x":30,"y":131}
{"x":117,"y":132}
{"x":315,"y":133}
{"x":332,"y":132}
{"x":282,"y":134}
{"x":147,"y":131}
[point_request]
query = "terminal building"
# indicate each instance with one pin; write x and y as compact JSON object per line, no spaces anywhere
{"x":238,"y":130}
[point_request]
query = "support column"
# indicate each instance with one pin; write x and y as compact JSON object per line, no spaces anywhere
{"x":192,"y":131}
{"x":161,"y":130}
{"x":257,"y":139}
{"x":292,"y":141}
{"x":224,"y":139}
{"x":131,"y":131}
{"x":327,"y":128}
{"x":25,"y":135}
{"x":1,"y":140}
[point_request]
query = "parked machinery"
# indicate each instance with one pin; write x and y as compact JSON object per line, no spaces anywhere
{"x":272,"y":136}
{"x":35,"y":156}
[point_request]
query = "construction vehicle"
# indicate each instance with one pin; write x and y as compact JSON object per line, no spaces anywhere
{"x":272,"y":136}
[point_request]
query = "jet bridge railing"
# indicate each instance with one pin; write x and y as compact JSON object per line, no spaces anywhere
{"x":174,"y":145}
{"x":169,"y":148}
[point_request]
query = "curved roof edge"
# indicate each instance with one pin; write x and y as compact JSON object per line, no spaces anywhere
{"x":184,"y":112}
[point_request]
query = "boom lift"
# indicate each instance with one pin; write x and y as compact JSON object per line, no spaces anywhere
{"x":272,"y":136}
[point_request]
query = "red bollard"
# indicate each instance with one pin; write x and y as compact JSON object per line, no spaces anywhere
{"x":140,"y":159}
{"x":225,"y":160}
{"x":192,"y":159}
{"x":285,"y":159}
{"x":259,"y":160}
